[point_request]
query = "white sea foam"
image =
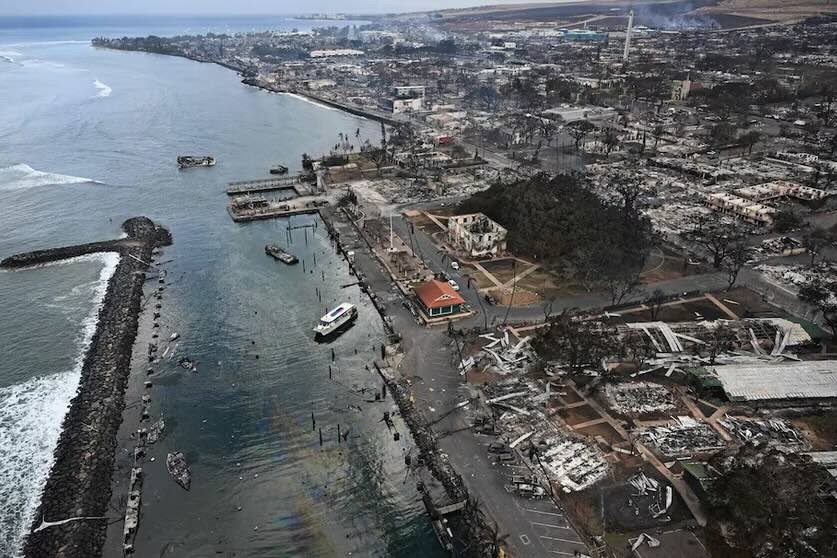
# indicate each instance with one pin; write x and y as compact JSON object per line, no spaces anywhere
{"x":31,"y":414}
{"x":43,"y":43}
{"x":104,"y":90}
{"x":38,"y":63}
{"x":22,"y":176}
{"x":313,"y":102}
{"x":9,"y":56}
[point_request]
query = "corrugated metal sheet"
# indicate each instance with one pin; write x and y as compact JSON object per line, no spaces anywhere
{"x":800,"y":380}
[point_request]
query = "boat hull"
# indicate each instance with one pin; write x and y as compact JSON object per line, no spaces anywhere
{"x":337,"y":329}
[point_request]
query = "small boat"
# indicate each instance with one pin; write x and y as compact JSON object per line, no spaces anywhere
{"x":345,"y":313}
{"x":278,"y":253}
{"x":279,"y":169}
{"x":179,"y":470}
{"x":189,"y":161}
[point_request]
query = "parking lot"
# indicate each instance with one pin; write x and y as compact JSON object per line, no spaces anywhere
{"x":545,"y":530}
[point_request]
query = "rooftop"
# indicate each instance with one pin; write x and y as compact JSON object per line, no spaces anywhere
{"x":797,"y":380}
{"x":437,"y":294}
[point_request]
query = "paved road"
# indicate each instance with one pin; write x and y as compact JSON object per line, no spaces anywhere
{"x":433,"y":258}
{"x":536,"y":528}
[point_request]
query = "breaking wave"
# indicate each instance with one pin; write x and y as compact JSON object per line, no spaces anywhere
{"x":104,"y":90}
{"x":22,"y":177}
{"x":31,"y":414}
{"x":311,"y":101}
{"x":9,"y":56}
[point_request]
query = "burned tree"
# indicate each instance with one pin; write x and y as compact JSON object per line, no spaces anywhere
{"x":771,"y":504}
{"x":823,"y":297}
{"x":578,"y":130}
{"x":734,"y":261}
{"x":575,"y":342}
{"x":718,"y":240}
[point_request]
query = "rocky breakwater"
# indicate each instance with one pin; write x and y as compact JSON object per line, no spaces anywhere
{"x":72,"y":518}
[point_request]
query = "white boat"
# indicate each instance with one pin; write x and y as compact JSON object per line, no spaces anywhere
{"x":332,"y":321}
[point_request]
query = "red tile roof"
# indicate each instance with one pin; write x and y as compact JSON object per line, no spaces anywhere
{"x":437,"y":294}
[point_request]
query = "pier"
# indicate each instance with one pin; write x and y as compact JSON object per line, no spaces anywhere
{"x":265,"y":185}
{"x":72,"y":518}
{"x":255,"y":209}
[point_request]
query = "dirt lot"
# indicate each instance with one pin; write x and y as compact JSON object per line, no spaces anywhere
{"x":577,"y":415}
{"x":625,"y":510}
{"x":483,"y":282}
{"x":548,"y":286}
{"x":666,"y":263}
{"x":604,"y":430}
{"x":502,"y":269}
{"x":821,"y":430}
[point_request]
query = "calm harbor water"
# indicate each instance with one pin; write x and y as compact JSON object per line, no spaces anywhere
{"x":88,"y":138}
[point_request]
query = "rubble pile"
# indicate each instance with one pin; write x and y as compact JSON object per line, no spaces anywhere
{"x":684,"y":436}
{"x":566,"y":459}
{"x":501,"y":356}
{"x":797,"y":275}
{"x":639,"y":398}
{"x":661,"y":497}
{"x":769,"y":431}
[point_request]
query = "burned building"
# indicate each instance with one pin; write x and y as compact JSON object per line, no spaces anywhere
{"x":476,"y":235}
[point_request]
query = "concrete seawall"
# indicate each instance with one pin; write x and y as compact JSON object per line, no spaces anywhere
{"x":79,"y":485}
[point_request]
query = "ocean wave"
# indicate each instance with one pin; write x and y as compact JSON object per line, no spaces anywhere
{"x":31,"y":414}
{"x":38,"y":63}
{"x":104,"y":90}
{"x":9,"y":56}
{"x":22,"y":177}
{"x":312,"y":101}
{"x":43,"y":43}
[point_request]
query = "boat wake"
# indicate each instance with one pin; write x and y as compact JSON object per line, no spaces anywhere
{"x":22,"y":177}
{"x":104,"y":90}
{"x":31,"y":414}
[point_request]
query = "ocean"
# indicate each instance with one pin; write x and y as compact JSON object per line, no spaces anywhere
{"x":88,"y":138}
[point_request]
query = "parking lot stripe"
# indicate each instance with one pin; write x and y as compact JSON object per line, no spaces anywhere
{"x":579,"y":543}
{"x":551,"y":525}
{"x":561,"y":553}
{"x":543,"y":512}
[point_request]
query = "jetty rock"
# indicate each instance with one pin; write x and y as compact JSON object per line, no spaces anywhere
{"x":140,"y":230}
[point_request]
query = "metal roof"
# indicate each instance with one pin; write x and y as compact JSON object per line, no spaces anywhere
{"x":815,"y":379}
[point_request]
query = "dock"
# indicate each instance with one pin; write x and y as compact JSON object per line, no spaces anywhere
{"x":254,"y":209}
{"x":265,"y":185}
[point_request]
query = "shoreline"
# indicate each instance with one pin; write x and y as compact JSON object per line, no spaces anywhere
{"x":78,"y":485}
{"x":355,"y":111}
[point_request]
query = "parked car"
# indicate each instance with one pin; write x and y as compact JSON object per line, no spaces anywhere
{"x":454,"y":265}
{"x":453,"y":285}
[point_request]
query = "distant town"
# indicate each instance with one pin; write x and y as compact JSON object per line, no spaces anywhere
{"x":602,"y":238}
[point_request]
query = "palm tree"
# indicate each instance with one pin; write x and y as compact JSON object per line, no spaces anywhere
{"x":493,"y":541}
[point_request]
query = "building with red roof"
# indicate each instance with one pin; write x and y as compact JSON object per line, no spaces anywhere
{"x":437,"y":298}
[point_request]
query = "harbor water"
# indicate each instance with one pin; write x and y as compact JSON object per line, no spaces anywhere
{"x":88,"y":138}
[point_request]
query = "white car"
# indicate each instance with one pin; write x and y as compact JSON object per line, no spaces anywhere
{"x":453,"y":285}
{"x":454,"y":265}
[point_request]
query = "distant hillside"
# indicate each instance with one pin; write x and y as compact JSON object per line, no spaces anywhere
{"x":666,"y":14}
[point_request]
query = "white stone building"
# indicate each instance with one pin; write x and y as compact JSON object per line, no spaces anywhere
{"x":476,"y":235}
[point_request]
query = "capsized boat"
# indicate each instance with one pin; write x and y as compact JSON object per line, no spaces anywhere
{"x":188,"y":161}
{"x":331,"y":322}
{"x":179,"y":470}
{"x":280,"y":254}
